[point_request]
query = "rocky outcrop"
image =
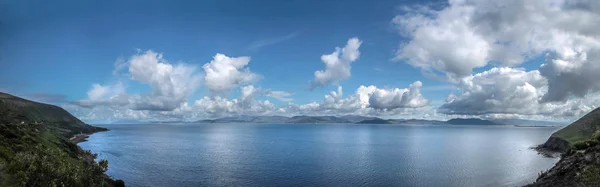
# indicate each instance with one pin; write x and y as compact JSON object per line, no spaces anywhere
{"x":575,"y":168}
{"x":556,"y":144}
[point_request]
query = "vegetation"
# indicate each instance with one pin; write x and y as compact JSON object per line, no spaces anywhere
{"x":579,"y":166}
{"x":35,"y":150}
{"x":582,"y":129}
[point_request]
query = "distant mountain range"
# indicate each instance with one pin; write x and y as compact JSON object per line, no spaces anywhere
{"x":372,"y":120}
{"x":354,"y":119}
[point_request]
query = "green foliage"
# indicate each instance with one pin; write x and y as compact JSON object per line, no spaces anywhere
{"x":52,"y":167}
{"x":591,"y":175}
{"x":596,"y":135}
{"x":592,"y":143}
{"x":32,"y":155}
{"x":582,"y":129}
{"x":580,"y":145}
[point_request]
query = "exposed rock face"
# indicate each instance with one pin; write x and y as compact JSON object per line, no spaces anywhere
{"x":575,"y":168}
{"x":556,"y":144}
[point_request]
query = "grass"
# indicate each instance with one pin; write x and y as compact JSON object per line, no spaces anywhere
{"x":582,"y":129}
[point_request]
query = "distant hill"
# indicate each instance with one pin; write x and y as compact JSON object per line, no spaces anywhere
{"x":401,"y":121}
{"x":580,"y":130}
{"x":377,"y":121}
{"x":247,"y":119}
{"x":343,"y":119}
{"x":522,"y":122}
{"x":276,"y":119}
{"x":270,"y":119}
{"x":128,"y":121}
{"x":317,"y":119}
{"x":357,"y":118}
{"x":471,"y":121}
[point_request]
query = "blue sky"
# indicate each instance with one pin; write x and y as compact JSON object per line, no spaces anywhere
{"x":64,"y":47}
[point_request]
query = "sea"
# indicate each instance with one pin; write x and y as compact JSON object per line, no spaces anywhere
{"x":321,"y":154}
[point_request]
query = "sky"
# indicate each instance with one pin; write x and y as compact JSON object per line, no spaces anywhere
{"x":187,"y":60}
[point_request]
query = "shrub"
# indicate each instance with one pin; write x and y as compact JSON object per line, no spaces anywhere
{"x":592,"y":143}
{"x":580,"y":145}
{"x":596,"y":135}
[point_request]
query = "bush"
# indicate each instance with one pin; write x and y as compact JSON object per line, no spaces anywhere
{"x":596,"y":135}
{"x":592,"y":143}
{"x":119,"y":183}
{"x":52,"y":167}
{"x":581,"y":145}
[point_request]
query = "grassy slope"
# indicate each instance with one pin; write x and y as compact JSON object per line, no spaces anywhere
{"x":579,"y":166}
{"x":580,"y":162}
{"x":35,"y":151}
{"x":581,"y":129}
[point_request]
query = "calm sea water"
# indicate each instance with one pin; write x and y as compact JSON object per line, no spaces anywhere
{"x":321,"y":155}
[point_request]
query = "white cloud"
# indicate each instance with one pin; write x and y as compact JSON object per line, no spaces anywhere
{"x":170,"y":84}
{"x":245,"y":104}
{"x":370,"y":100}
{"x":109,"y":95}
{"x":398,"y":98}
{"x":224,"y":73}
{"x":337,"y":64}
{"x":471,"y":34}
{"x":508,"y":91}
{"x":279,"y":95}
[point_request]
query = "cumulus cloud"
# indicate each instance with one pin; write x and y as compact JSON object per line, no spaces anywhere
{"x":107,"y":95}
{"x":337,"y":64}
{"x":398,"y":98}
{"x":170,"y":84}
{"x":508,"y":91}
{"x":575,"y":75}
{"x":245,"y":104}
{"x":370,"y":100}
{"x":279,"y":95}
{"x":470,"y":34}
{"x":224,"y":73}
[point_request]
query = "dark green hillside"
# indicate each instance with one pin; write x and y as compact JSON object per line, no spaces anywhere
{"x":35,"y":149}
{"x":579,"y":166}
{"x":580,"y":162}
{"x":16,"y":110}
{"x":580,"y":130}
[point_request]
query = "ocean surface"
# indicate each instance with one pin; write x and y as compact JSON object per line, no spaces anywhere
{"x":321,"y":154}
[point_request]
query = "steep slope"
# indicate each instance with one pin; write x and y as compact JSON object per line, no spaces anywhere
{"x":579,"y":130}
{"x":16,"y":110}
{"x":35,"y":149}
{"x":579,"y":166}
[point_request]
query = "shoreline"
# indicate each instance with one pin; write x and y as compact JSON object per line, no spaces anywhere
{"x":79,"y":138}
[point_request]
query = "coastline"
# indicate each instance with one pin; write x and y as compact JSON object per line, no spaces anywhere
{"x":79,"y":138}
{"x":82,"y":137}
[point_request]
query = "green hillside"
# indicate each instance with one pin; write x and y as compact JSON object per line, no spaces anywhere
{"x":580,"y":162}
{"x":35,"y":149}
{"x":581,"y":129}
